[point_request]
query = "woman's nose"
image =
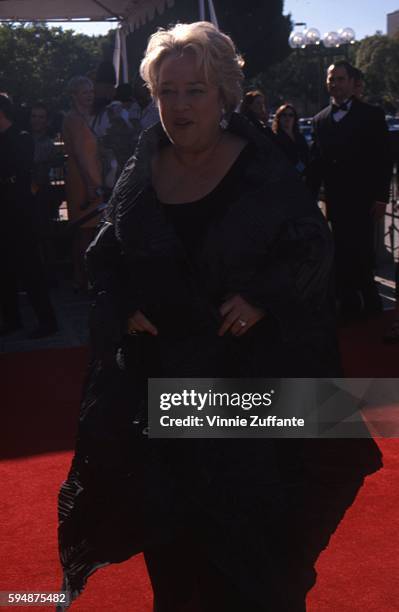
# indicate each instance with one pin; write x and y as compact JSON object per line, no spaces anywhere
{"x":181,"y":101}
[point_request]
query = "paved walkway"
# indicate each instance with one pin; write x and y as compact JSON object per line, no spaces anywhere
{"x":72,"y":311}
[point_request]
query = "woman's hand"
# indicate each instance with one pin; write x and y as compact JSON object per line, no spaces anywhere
{"x":139,"y":323}
{"x":239,"y":316}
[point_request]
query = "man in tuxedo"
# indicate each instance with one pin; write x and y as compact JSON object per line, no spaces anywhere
{"x":351,"y":158}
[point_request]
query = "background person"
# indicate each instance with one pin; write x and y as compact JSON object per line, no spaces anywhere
{"x":351,"y":157}
{"x":45,"y":150}
{"x":104,"y":80}
{"x":214,"y":262}
{"x":253,"y":107}
{"x":124,"y":95}
{"x":83,"y":185}
{"x":289,"y":138}
{"x":148,"y":113}
{"x":111,"y":125}
{"x":20,"y":257}
{"x":45,"y":200}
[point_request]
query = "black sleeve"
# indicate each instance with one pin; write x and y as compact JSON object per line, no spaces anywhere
{"x":113,"y":298}
{"x":295,"y":283}
{"x":305,"y":150}
{"x":24,"y":156}
{"x":314,"y":174}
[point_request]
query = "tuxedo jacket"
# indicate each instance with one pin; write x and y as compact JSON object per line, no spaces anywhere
{"x":351,"y":157}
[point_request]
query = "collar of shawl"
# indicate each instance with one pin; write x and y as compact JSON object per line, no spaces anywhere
{"x":268,"y":166}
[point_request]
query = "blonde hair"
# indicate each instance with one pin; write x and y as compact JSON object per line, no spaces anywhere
{"x":214,"y":51}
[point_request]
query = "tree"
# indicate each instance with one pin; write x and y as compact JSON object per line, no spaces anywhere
{"x":260,"y":31}
{"x":301,"y":77}
{"x":297,"y":79}
{"x":258,"y":28}
{"x":36,"y":61}
{"x":378,"y":57}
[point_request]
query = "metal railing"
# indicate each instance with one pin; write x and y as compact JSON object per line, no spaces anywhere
{"x":392,"y":215}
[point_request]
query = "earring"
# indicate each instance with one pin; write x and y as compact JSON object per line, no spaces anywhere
{"x":225,"y":119}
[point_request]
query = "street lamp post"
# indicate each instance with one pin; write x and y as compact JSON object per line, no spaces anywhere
{"x":324,"y":48}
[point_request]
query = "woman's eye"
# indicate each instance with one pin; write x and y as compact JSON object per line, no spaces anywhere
{"x":165,"y":92}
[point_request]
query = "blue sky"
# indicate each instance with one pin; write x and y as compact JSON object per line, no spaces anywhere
{"x":364,"y":16}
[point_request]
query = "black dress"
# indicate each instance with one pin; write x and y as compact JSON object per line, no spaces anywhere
{"x":297,"y":150}
{"x":192,"y":219}
{"x":238,"y":501}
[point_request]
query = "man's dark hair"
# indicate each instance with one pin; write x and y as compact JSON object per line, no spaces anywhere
{"x":249,"y":98}
{"x":351,"y":71}
{"x":6,"y":106}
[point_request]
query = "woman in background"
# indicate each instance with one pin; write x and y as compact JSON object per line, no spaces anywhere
{"x":289,"y":138}
{"x":253,"y":107}
{"x":84,"y":171}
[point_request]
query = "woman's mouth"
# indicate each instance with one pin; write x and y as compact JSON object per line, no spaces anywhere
{"x":181,"y":123}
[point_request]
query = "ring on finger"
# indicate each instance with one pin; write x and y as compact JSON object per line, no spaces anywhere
{"x":242,"y":322}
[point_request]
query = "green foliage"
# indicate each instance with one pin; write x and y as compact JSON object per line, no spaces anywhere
{"x":260,"y":31}
{"x":290,"y":79}
{"x":258,"y":28}
{"x":36,"y":61}
{"x":299,"y":79}
{"x":378,"y":57}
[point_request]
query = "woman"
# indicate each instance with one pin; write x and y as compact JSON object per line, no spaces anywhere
{"x":84,"y":171}
{"x":213,"y":263}
{"x":253,"y":107}
{"x":288,"y":137}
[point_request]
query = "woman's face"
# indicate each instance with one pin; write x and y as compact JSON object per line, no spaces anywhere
{"x":190,"y":107}
{"x":287,"y":119}
{"x":84,"y":96}
{"x":258,"y":107}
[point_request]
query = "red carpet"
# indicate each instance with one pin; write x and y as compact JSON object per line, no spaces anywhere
{"x":357,"y":571}
{"x":363,"y":352}
{"x":28,"y":543}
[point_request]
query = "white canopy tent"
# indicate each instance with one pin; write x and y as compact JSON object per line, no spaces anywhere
{"x":130,"y":14}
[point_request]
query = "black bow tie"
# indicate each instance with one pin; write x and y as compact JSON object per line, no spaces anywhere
{"x":339,"y":107}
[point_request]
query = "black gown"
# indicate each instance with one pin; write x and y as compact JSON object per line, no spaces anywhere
{"x":257,"y":234}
